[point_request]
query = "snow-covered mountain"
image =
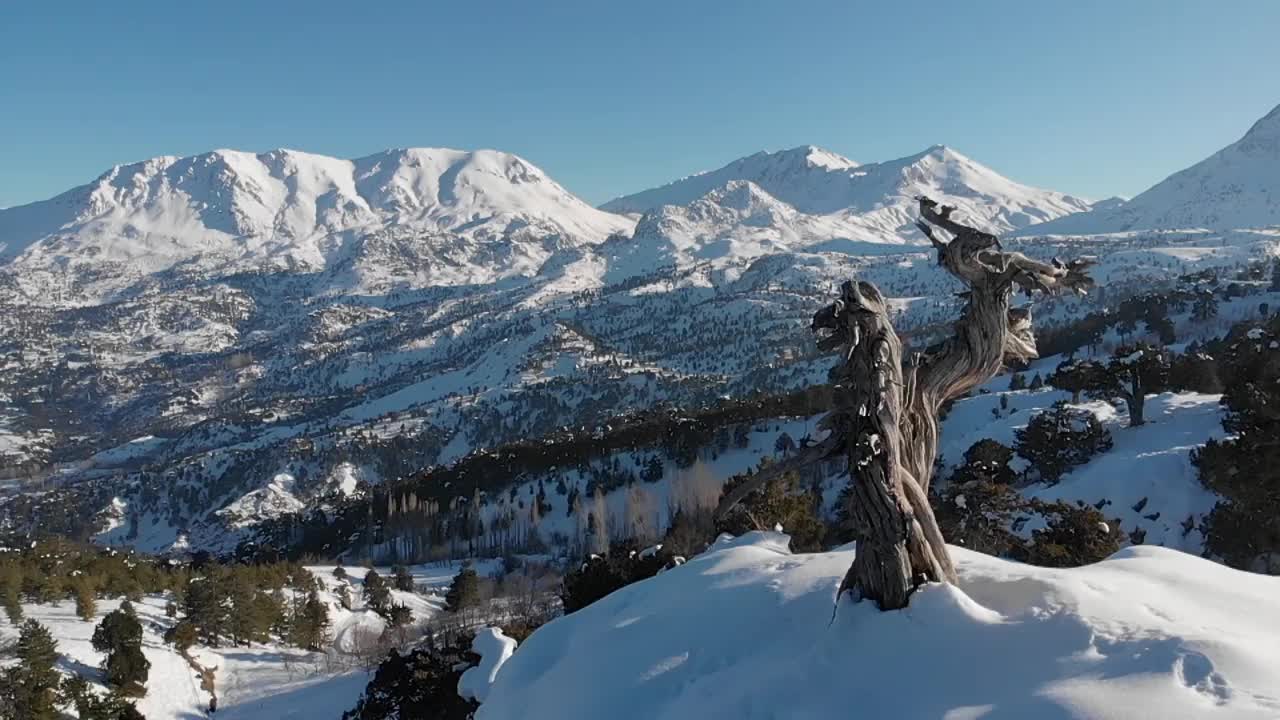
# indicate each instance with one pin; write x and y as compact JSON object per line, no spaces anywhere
{"x":1236,"y":187}
{"x":807,"y":197}
{"x":488,"y":212}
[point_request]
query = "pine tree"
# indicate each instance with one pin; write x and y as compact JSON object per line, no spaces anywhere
{"x":182,"y":635}
{"x":1244,"y":527}
{"x":399,"y":616}
{"x":28,"y":690}
{"x":311,"y":623}
{"x":119,"y":635}
{"x":401,"y":578}
{"x":1018,"y":382}
{"x":464,"y":591}
{"x":89,"y":705}
{"x":11,"y":591}
{"x":1059,"y":439}
{"x":377,"y":596}
{"x":86,"y":598}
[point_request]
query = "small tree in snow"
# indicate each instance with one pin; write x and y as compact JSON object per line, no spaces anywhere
{"x":1059,"y":439}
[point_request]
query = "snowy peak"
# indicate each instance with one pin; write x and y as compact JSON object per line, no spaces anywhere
{"x":811,"y":200}
{"x":228,"y":208}
{"x":793,"y":175}
{"x":818,"y":182}
{"x":1236,"y":187}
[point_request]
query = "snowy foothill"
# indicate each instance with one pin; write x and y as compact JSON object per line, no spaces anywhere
{"x":259,"y":681}
{"x":748,"y":630}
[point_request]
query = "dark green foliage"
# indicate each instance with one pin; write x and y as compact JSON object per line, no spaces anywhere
{"x":1205,"y":307}
{"x":1244,"y":527}
{"x":979,"y":507}
{"x":86,"y":598}
{"x":1018,"y":382}
{"x":464,"y":591}
{"x":119,"y":635}
{"x":780,"y":502}
{"x":1076,"y":376}
{"x":182,"y":635}
{"x":401,"y":579}
{"x":399,"y":616}
{"x":422,"y":684}
{"x":1074,"y":535}
{"x":600,"y":575}
{"x":311,"y":623}
{"x":377,"y":596}
{"x":1132,"y":373}
{"x":28,"y":690}
{"x":89,"y":705}
{"x":1061,"y":438}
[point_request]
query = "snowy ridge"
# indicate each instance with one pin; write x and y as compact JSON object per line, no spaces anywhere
{"x":808,"y":198}
{"x":228,"y":209}
{"x":1149,"y":632}
{"x":1232,"y":189}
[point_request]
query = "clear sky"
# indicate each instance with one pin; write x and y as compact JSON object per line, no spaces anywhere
{"x":1092,"y":98}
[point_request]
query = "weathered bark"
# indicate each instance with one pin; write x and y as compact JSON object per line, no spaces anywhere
{"x":885,"y":417}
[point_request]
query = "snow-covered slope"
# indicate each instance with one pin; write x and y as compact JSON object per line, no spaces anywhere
{"x":809,"y":197}
{"x":746,"y":630}
{"x":288,"y":209}
{"x":1236,"y":187}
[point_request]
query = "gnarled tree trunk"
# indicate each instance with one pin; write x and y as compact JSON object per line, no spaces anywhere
{"x":885,"y":418}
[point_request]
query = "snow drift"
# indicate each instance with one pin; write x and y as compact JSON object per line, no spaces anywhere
{"x":746,"y":630}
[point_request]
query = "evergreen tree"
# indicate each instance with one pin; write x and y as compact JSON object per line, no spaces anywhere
{"x":86,"y":598}
{"x":119,"y":635}
{"x":11,"y":591}
{"x":401,"y":579}
{"x":89,"y":705}
{"x":1037,"y":382}
{"x":377,"y":596}
{"x":344,"y":597}
{"x":399,"y":616}
{"x":340,"y":572}
{"x":182,"y":635}
{"x":28,"y":690}
{"x":1244,"y":527}
{"x":1134,"y":372}
{"x":653,"y":470}
{"x":1205,"y":307}
{"x":422,"y":685}
{"x":1018,"y":382}
{"x":1059,"y":439}
{"x":464,"y":591}
{"x":780,"y":502}
{"x":311,"y":623}
{"x":1076,"y":376}
{"x":1073,"y":535}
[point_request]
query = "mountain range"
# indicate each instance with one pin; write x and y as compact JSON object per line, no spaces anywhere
{"x":191,"y":345}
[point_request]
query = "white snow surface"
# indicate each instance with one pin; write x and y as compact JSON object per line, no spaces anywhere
{"x":746,"y":630}
{"x":495,"y":650}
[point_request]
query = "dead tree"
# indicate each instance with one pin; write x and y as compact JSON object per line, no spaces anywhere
{"x":885,"y":414}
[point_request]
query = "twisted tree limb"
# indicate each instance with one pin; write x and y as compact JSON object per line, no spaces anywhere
{"x":885,"y":417}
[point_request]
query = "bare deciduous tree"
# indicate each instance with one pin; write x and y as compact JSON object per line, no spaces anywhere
{"x":885,"y":415}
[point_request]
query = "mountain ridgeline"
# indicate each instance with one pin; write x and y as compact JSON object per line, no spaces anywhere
{"x":209,"y":350}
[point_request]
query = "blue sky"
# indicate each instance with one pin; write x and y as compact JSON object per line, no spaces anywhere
{"x":1092,"y":98}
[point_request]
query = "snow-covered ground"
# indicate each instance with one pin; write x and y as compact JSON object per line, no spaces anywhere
{"x":254,"y":682}
{"x":747,"y":630}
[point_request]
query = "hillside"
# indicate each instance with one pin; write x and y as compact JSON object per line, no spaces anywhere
{"x":1233,"y":188}
{"x":1148,"y":633}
